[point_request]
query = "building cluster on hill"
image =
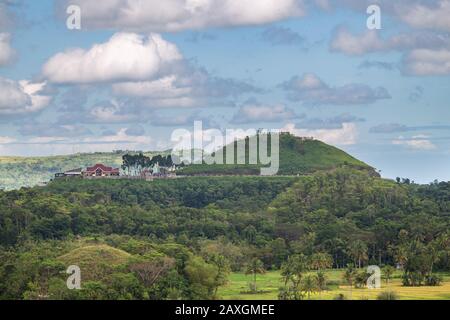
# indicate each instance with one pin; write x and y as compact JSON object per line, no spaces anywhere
{"x":101,"y":171}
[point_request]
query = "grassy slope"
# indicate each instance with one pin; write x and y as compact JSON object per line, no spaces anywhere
{"x":16,"y":172}
{"x":296,"y":157}
{"x":95,"y":260}
{"x":270,"y":282}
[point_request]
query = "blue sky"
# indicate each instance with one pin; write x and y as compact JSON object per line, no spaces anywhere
{"x":136,"y":71}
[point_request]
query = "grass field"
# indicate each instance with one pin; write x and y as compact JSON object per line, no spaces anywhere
{"x":270,"y":282}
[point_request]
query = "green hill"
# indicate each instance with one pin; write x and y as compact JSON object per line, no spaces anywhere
{"x":298,"y":156}
{"x":95,"y":260}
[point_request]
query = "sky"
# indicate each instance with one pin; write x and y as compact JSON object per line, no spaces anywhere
{"x":136,"y":71}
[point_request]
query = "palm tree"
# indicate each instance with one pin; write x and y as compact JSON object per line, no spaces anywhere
{"x":388,"y":271}
{"x":321,"y":280}
{"x":309,"y":285}
{"x":358,"y":251}
{"x":320,"y":261}
{"x":349,"y":277}
{"x":255,"y":267}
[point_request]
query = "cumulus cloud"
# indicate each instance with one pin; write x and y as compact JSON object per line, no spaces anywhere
{"x":179,"y":15}
{"x":112,"y":112}
{"x":346,"y":42}
{"x":368,"y":42}
{"x":188,"y":88}
{"x":253,"y":111}
{"x":419,"y":142}
{"x":423,"y":14}
{"x":6,"y":52}
{"x":426,"y":62}
{"x":434,"y":15}
{"x":347,"y":135}
{"x":310,"y":89}
{"x":23,"y":97}
{"x":126,"y":56}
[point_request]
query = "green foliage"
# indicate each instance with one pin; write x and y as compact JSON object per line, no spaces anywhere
{"x":387,"y":295}
{"x":297,"y":156}
{"x":175,"y":239}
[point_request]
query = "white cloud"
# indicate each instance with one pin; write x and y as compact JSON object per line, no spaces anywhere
{"x":21,"y":97}
{"x":178,"y":15}
{"x":111,"y":112}
{"x":425,"y":62}
{"x":422,"y":16}
{"x":6,"y":52}
{"x":310,"y":89}
{"x":369,"y":42}
{"x":344,"y":41}
{"x":6,"y":140}
{"x":126,"y":56}
{"x":347,"y":135}
{"x":252,"y":112}
{"x":419,"y":142}
{"x":162,"y":88}
{"x":188,"y":87}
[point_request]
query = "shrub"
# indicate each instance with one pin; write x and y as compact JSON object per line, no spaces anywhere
{"x":433,"y":280}
{"x":340,"y":296}
{"x":387,"y":295}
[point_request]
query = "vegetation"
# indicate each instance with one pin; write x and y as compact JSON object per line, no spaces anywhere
{"x":297,"y":157}
{"x":195,"y":237}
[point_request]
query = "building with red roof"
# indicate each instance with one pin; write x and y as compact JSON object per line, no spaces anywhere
{"x":100,"y":170}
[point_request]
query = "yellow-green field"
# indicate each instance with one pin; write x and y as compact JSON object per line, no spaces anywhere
{"x":270,"y":282}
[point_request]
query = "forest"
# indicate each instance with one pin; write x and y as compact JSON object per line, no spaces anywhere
{"x":183,"y":238}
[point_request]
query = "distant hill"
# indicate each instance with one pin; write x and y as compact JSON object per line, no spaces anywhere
{"x":297,"y":156}
{"x":17,"y":172}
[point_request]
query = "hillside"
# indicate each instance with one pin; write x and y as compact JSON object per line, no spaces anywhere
{"x":297,"y":157}
{"x":180,"y":239}
{"x":17,"y":172}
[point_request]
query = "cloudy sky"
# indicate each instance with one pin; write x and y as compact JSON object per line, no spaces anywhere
{"x":137,"y":70}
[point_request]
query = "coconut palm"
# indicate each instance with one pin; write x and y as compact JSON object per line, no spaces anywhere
{"x":309,"y":285}
{"x":255,"y":267}
{"x":358,"y":251}
{"x":321,"y":280}
{"x":349,"y":277}
{"x":388,"y":272}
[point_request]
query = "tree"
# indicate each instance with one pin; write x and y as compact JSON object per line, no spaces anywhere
{"x":254,"y":268}
{"x":309,"y":285}
{"x":292,"y":272}
{"x":388,"y":272}
{"x":149,"y":272}
{"x":320,"y":261}
{"x":321,"y":280}
{"x":349,"y":277}
{"x":358,"y":252}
